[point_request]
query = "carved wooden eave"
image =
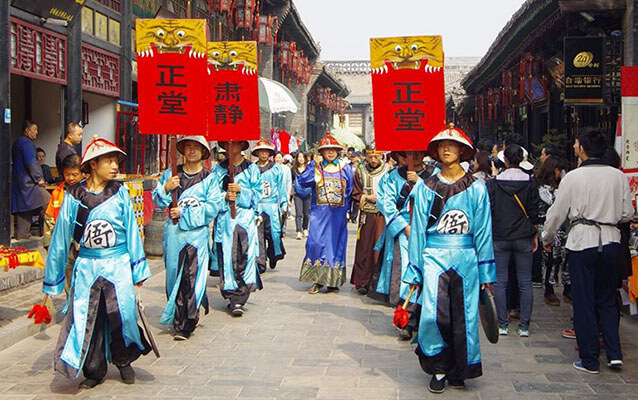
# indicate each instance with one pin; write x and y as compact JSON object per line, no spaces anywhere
{"x":533,"y":19}
{"x":591,"y":5}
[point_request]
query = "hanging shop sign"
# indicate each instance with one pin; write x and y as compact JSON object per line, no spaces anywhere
{"x":629,"y":92}
{"x":408,"y":91}
{"x":584,"y":61}
{"x":55,"y":9}
{"x":233,"y":91}
{"x":171,"y":64}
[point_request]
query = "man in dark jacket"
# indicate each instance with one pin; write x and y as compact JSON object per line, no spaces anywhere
{"x":28,"y":197}
{"x":514,"y":201}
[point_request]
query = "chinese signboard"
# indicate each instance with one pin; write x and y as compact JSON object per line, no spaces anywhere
{"x":55,"y":9}
{"x":171,"y":66}
{"x":584,"y":61}
{"x":407,"y":91}
{"x":233,"y":91}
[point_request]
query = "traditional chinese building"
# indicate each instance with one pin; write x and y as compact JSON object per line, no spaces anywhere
{"x":530,"y":82}
{"x":70,"y":61}
{"x":357,"y":117}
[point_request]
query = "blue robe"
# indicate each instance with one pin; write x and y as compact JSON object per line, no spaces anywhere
{"x":325,"y":259}
{"x":186,"y":245}
{"x":236,"y":239}
{"x":393,"y":204}
{"x":111,"y":260}
{"x":271,"y":207}
{"x":26,"y":172}
{"x":450,"y":256}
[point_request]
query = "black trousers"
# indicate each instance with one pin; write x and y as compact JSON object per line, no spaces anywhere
{"x":594,"y":278}
{"x":240,"y":295}
{"x":186,"y":310}
{"x":95,"y":366}
{"x":302,"y":212}
{"x":24,"y":221}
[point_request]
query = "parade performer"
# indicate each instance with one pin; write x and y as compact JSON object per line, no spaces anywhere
{"x":236,"y":239}
{"x":451,"y":258}
{"x":371,"y":223}
{"x":331,"y":181}
{"x":101,"y":313}
{"x":272,"y":206}
{"x":72,"y":175}
{"x":392,"y":201}
{"x":186,"y":243}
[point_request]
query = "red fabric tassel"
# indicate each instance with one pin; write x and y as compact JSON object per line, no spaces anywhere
{"x":401,"y":317}
{"x":40,"y":314}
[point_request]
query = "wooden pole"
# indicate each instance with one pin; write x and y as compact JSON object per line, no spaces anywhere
{"x":411,"y":162}
{"x":173,"y":154}
{"x":231,"y":173}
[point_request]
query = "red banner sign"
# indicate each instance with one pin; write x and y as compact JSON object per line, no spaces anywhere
{"x":172,"y":93}
{"x":409,"y":106}
{"x":233,"y":105}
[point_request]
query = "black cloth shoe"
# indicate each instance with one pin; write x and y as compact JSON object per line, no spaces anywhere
{"x":314,"y":289}
{"x":179,"y":336}
{"x":89,"y":383}
{"x":455,"y":382}
{"x":127,"y":374}
{"x":330,"y":289}
{"x":237,"y":311}
{"x":405,"y":333}
{"x":436,"y":386}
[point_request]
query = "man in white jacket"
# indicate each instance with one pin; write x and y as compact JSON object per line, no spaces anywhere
{"x":595,"y":197}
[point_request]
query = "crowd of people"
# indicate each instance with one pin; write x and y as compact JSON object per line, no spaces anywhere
{"x":436,"y":229}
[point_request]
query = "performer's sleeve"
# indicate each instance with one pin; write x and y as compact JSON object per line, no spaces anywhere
{"x":59,"y":249}
{"x":307,"y":177}
{"x":282,"y":187}
{"x":196,"y":217}
{"x":558,"y":212}
{"x":139,"y":264}
{"x":413,"y":274}
{"x":357,"y":188}
{"x":349,"y":184}
{"x":483,"y":237}
{"x":249,"y":196}
{"x":386,"y":203}
{"x":161,"y":198}
{"x":31,"y":162}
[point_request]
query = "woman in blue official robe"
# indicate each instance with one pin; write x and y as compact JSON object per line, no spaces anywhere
{"x":271,"y":207}
{"x":393,"y":204}
{"x":236,"y":238}
{"x":450,"y":259}
{"x":186,"y":243}
{"x":331,"y":182}
{"x":101,"y":313}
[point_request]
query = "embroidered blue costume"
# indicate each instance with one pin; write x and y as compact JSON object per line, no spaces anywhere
{"x":271,"y":208}
{"x":186,"y":246}
{"x":325,"y":259}
{"x":101,"y":314}
{"x":236,"y":238}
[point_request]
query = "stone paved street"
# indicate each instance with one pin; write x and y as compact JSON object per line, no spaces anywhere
{"x":293,"y":345}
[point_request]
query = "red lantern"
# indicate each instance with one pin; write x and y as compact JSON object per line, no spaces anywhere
{"x":266,"y":24}
{"x":284,"y":54}
{"x":221,"y":6}
{"x":291,"y":53}
{"x":321,"y":96}
{"x":333,"y":101}
{"x":244,"y":13}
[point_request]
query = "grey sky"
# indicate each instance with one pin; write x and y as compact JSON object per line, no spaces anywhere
{"x":343,"y":27}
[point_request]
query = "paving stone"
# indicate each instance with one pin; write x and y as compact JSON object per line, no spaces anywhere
{"x":561,"y":388}
{"x":290,"y":344}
